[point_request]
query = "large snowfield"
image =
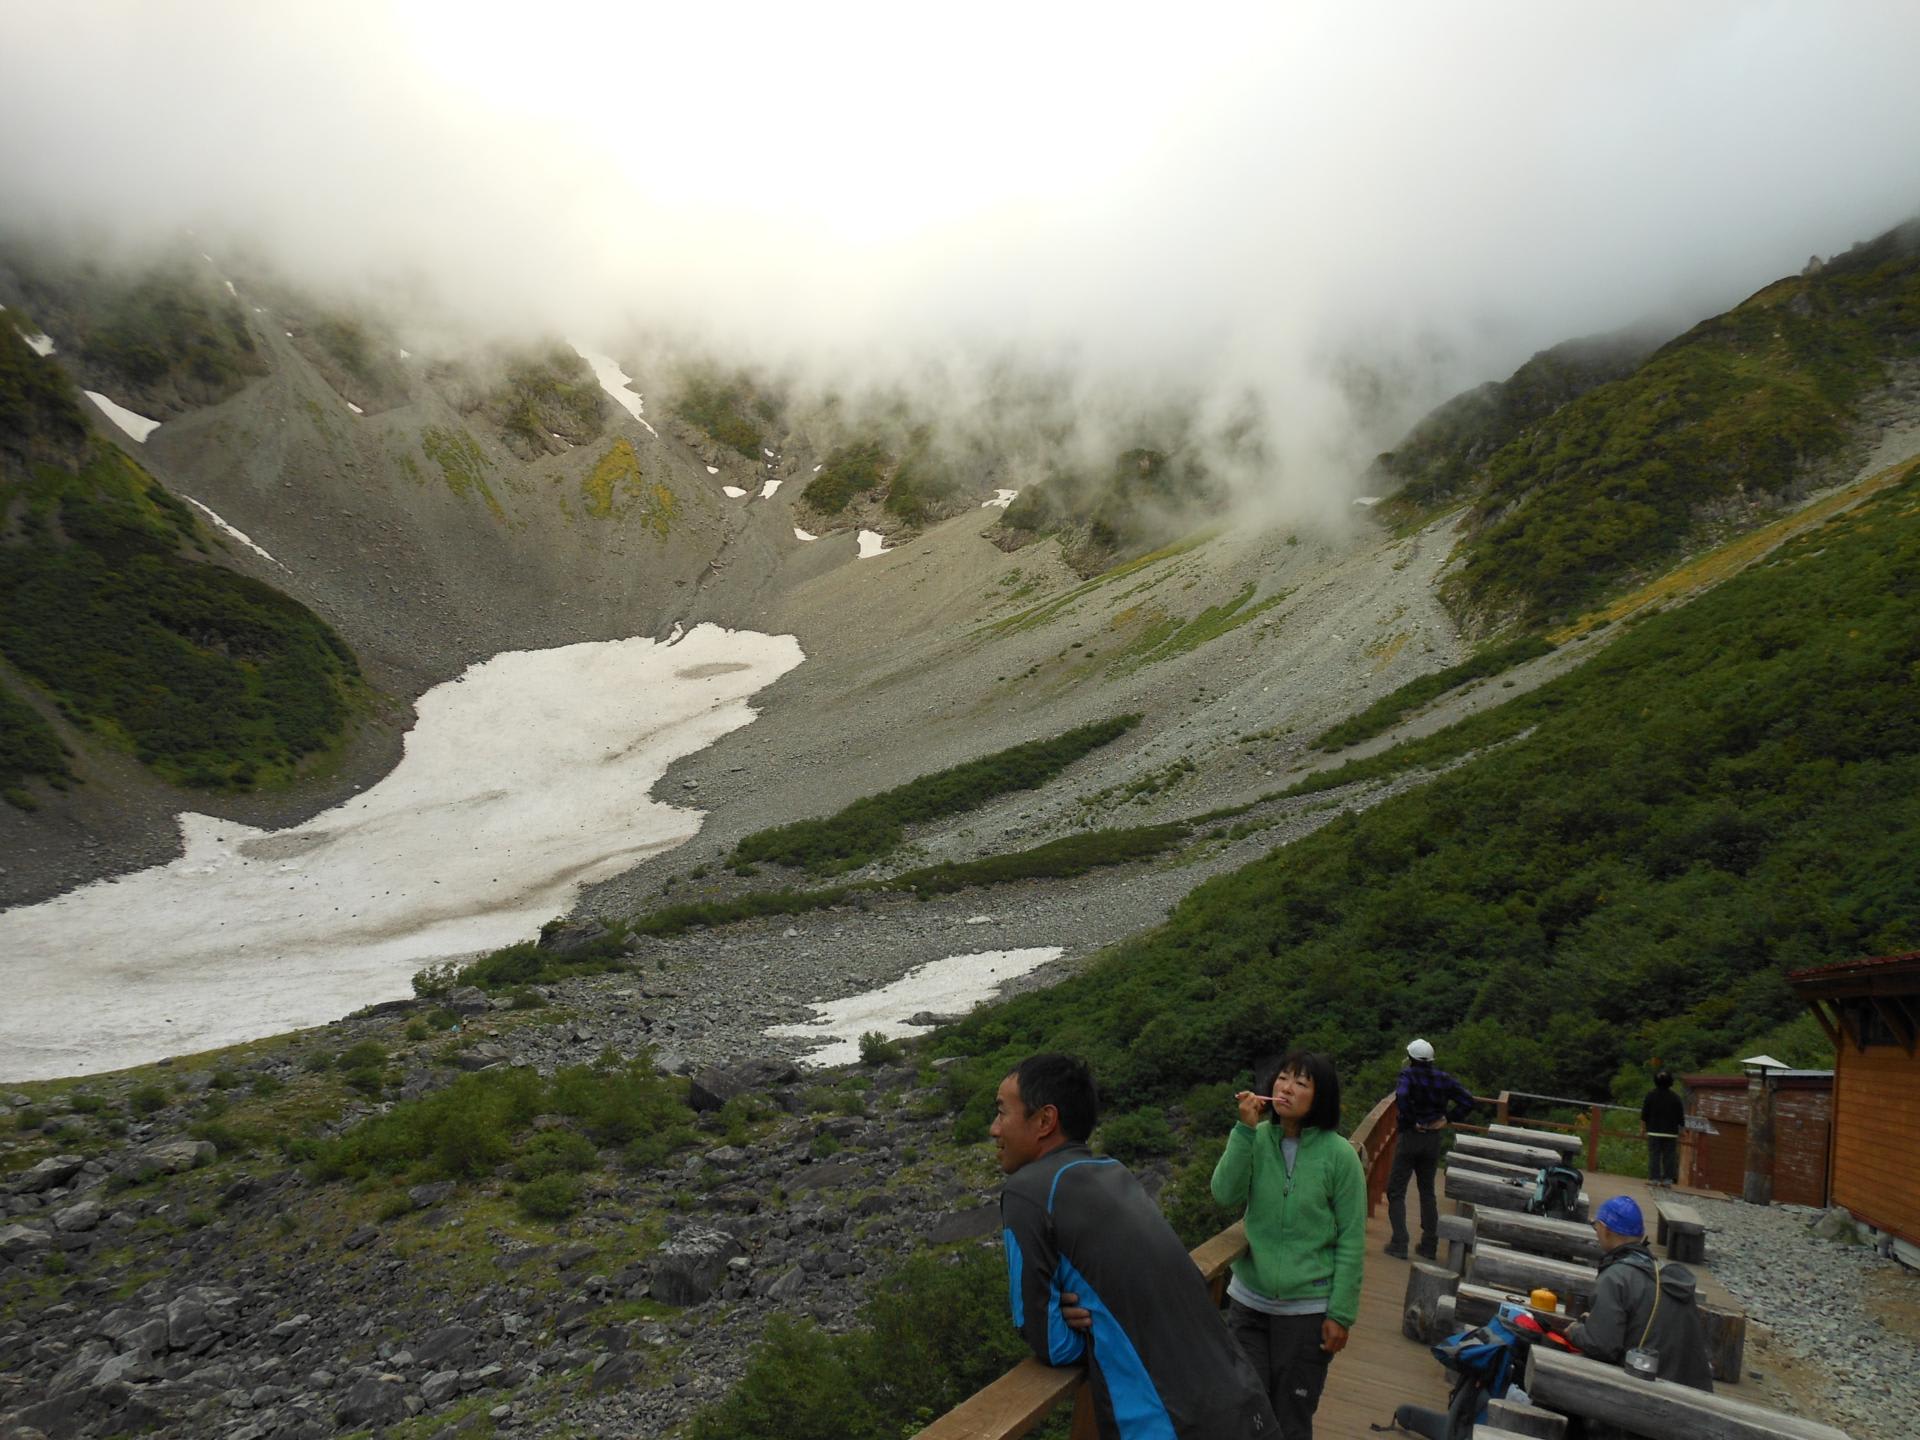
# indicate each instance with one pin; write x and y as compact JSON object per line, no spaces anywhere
{"x":523,"y":780}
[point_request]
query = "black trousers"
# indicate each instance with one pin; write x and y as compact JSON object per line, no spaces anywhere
{"x":1286,"y":1355}
{"x":1663,"y":1158}
{"x":1416,"y":1153}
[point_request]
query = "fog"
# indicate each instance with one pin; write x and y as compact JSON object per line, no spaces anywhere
{"x":1239,"y":210}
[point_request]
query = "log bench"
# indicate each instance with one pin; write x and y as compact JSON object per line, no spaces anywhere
{"x":1478,"y":1188}
{"x":1476,"y":1304}
{"x":1419,"y":1313}
{"x":1499,"y":1268}
{"x":1570,"y":1147}
{"x":1456,"y":1160}
{"x":1656,"y":1409}
{"x":1511,"y":1417}
{"x":1456,"y":1234}
{"x":1682,"y":1231}
{"x":1533,"y":1157}
{"x":1538,"y":1235}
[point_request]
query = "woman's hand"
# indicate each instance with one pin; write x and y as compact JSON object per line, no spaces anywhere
{"x":1253,"y":1108}
{"x":1077,"y":1316}
{"x":1333,"y":1336}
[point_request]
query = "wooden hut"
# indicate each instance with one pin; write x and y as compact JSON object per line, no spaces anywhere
{"x":1717,"y":1117}
{"x":1870,"y":1009}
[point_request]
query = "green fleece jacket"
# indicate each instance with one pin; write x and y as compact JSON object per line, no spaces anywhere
{"x":1306,"y":1235}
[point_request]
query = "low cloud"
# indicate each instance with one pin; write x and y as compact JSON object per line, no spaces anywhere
{"x":1258,"y":210}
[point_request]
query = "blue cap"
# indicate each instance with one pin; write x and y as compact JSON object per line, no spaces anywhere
{"x":1621,"y":1216}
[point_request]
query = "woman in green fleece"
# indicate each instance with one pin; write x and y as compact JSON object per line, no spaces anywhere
{"x":1297,"y":1290}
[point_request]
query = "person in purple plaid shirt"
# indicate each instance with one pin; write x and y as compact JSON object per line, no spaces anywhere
{"x":1428,"y":1099}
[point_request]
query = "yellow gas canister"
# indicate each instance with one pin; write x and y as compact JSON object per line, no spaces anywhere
{"x":1544,"y":1300}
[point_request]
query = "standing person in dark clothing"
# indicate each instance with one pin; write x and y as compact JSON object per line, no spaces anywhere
{"x":1662,"y":1117}
{"x":1427,"y":1099}
{"x":1095,"y":1274}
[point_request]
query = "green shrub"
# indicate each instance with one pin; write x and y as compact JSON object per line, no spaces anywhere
{"x":315,"y":1061}
{"x":85,"y":1102}
{"x":459,"y":1132}
{"x":551,"y":1197}
{"x":824,"y":1145}
{"x":876,"y":1049}
{"x":1138,"y":1134}
{"x":418,"y":1030}
{"x":223,"y":1079}
{"x":436,"y":982}
{"x":359,"y":1057}
{"x":266,"y":1084}
{"x":1386,"y":712}
{"x":229,"y":1140}
{"x":147,"y":1099}
{"x":365,"y":1079}
{"x":848,"y":471}
{"x":553,"y":1152}
{"x":871,"y":827}
{"x":29,"y":1117}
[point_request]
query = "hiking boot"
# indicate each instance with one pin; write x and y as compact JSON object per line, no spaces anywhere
{"x":1429,"y":1250}
{"x":1397,"y":1249}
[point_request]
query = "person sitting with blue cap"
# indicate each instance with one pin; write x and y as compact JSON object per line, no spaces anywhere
{"x":1641,"y":1303}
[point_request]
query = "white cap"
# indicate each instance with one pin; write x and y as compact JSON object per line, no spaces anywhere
{"x":1419,"y":1050}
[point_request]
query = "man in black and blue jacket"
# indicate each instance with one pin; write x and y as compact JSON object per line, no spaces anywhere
{"x":1096,"y":1275}
{"x":1427,"y":1099}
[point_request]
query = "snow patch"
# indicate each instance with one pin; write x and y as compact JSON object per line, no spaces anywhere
{"x":770,"y":489}
{"x":522,"y":781}
{"x":943,"y":987}
{"x":231,"y":291}
{"x":767,"y":453}
{"x":713,"y":469}
{"x":138,"y":426}
{"x":355,"y":408}
{"x":800,"y":534}
{"x":239,"y":535}
{"x":406,"y":354}
{"x":872,"y":543}
{"x":41,"y":345}
{"x":617,"y":383}
{"x":732,"y":492}
{"x":1368,"y":500}
{"x":816,"y":469}
{"x":1000,"y":501}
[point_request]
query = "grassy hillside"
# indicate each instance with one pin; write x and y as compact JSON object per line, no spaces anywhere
{"x":728,"y":408}
{"x":207,"y":676}
{"x":1638,"y":853}
{"x":1438,"y":461}
{"x":1147,"y":499}
{"x":1735,"y":413}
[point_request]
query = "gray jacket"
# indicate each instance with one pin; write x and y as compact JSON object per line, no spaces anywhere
{"x":1624,"y":1316}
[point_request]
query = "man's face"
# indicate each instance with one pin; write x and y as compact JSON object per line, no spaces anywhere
{"x":1016,"y":1130}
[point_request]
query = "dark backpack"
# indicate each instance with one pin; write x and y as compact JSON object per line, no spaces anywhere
{"x":1556,"y":1193}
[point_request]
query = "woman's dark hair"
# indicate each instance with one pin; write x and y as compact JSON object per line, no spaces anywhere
{"x":1064,"y":1082}
{"x":1324,"y":1113}
{"x":1664,"y":1079}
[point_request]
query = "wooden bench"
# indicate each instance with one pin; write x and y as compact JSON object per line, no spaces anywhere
{"x":1570,"y":1147}
{"x":1533,"y":1157}
{"x":1456,"y":1234}
{"x":1480,"y":1163}
{"x":1426,"y":1285}
{"x":1499,"y":1268}
{"x":1656,"y":1409}
{"x":1682,"y":1231}
{"x":1510,"y":1417}
{"x":1476,"y":1304}
{"x":1537,"y":1235}
{"x":1480,"y":1188}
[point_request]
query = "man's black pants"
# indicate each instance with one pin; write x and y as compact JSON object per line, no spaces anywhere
{"x":1663,"y":1158}
{"x":1286,"y":1355}
{"x":1416,"y":1153}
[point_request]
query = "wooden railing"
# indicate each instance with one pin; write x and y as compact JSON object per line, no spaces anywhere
{"x":1020,"y":1399}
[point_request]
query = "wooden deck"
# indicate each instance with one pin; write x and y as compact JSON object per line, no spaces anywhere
{"x":1381,"y":1369}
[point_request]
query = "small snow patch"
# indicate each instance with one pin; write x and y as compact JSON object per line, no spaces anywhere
{"x":617,"y":383}
{"x":138,"y":426}
{"x":1368,"y":500}
{"x":289,"y":334}
{"x":770,"y":489}
{"x":355,"y":408}
{"x":980,"y":920}
{"x":239,"y":535}
{"x":800,"y":534}
{"x":1000,"y":501}
{"x":732,"y":492}
{"x":816,"y":469}
{"x":406,"y":354}
{"x":767,"y":453}
{"x":41,"y":345}
{"x":957,"y":983}
{"x":231,"y":291}
{"x":872,"y":543}
{"x":713,"y":469}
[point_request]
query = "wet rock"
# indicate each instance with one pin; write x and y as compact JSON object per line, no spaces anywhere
{"x":981,"y":1220}
{"x":717,"y":1084}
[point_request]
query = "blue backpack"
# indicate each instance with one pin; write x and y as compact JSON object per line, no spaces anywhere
{"x":1556,"y":1192}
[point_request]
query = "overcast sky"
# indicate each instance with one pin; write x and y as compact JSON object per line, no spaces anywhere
{"x":1223,"y":195}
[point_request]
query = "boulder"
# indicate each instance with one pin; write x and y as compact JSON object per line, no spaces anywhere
{"x":468,"y":1000}
{"x":18,"y":1242}
{"x":440,"y":1387}
{"x":425,"y":1197}
{"x":374,"y":1400}
{"x":717,"y":1084}
{"x":445,"y":1343}
{"x":54,"y":1170}
{"x":189,"y":1323}
{"x":169,"y":1157}
{"x":75,"y":1218}
{"x":570,"y":937}
{"x":689,"y":1267}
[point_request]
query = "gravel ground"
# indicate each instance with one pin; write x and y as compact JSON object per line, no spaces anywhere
{"x":1842,"y":1312}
